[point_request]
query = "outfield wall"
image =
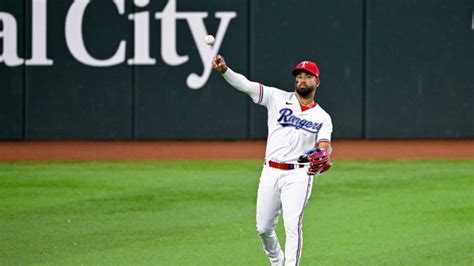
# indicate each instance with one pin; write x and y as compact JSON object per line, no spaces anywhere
{"x":138,"y":70}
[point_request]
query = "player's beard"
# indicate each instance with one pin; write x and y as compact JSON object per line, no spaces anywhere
{"x":304,"y":91}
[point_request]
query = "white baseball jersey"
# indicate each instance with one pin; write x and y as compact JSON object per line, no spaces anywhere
{"x":291,"y":131}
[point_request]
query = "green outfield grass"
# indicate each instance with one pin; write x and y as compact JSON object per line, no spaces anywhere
{"x":203,"y":213}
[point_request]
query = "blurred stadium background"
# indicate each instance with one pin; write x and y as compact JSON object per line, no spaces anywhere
{"x":398,"y":70}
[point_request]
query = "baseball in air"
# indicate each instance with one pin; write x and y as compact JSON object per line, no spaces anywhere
{"x":209,"y":39}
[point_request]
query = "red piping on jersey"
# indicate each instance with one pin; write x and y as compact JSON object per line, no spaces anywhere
{"x":304,"y":108}
{"x":260,"y":96}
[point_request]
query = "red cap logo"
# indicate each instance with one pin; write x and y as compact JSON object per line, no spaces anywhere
{"x":306,"y":66}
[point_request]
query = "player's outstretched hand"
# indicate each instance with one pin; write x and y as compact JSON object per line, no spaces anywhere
{"x":219,"y":64}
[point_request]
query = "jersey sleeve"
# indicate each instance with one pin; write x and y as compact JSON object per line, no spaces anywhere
{"x":324,"y":134}
{"x":266,"y":95}
{"x":259,"y":93}
{"x":241,"y":83}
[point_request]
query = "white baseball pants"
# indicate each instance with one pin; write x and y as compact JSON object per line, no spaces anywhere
{"x":285,"y":191}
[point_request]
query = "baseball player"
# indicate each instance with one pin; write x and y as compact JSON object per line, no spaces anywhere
{"x":298,"y":147}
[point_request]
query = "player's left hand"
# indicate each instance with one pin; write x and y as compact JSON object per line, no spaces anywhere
{"x":319,"y":161}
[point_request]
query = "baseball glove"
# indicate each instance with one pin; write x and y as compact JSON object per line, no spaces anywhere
{"x":318,"y":159}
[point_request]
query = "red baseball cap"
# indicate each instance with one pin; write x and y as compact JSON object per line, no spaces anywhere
{"x":306,"y":66}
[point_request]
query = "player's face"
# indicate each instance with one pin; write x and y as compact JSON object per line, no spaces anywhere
{"x":305,"y":84}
